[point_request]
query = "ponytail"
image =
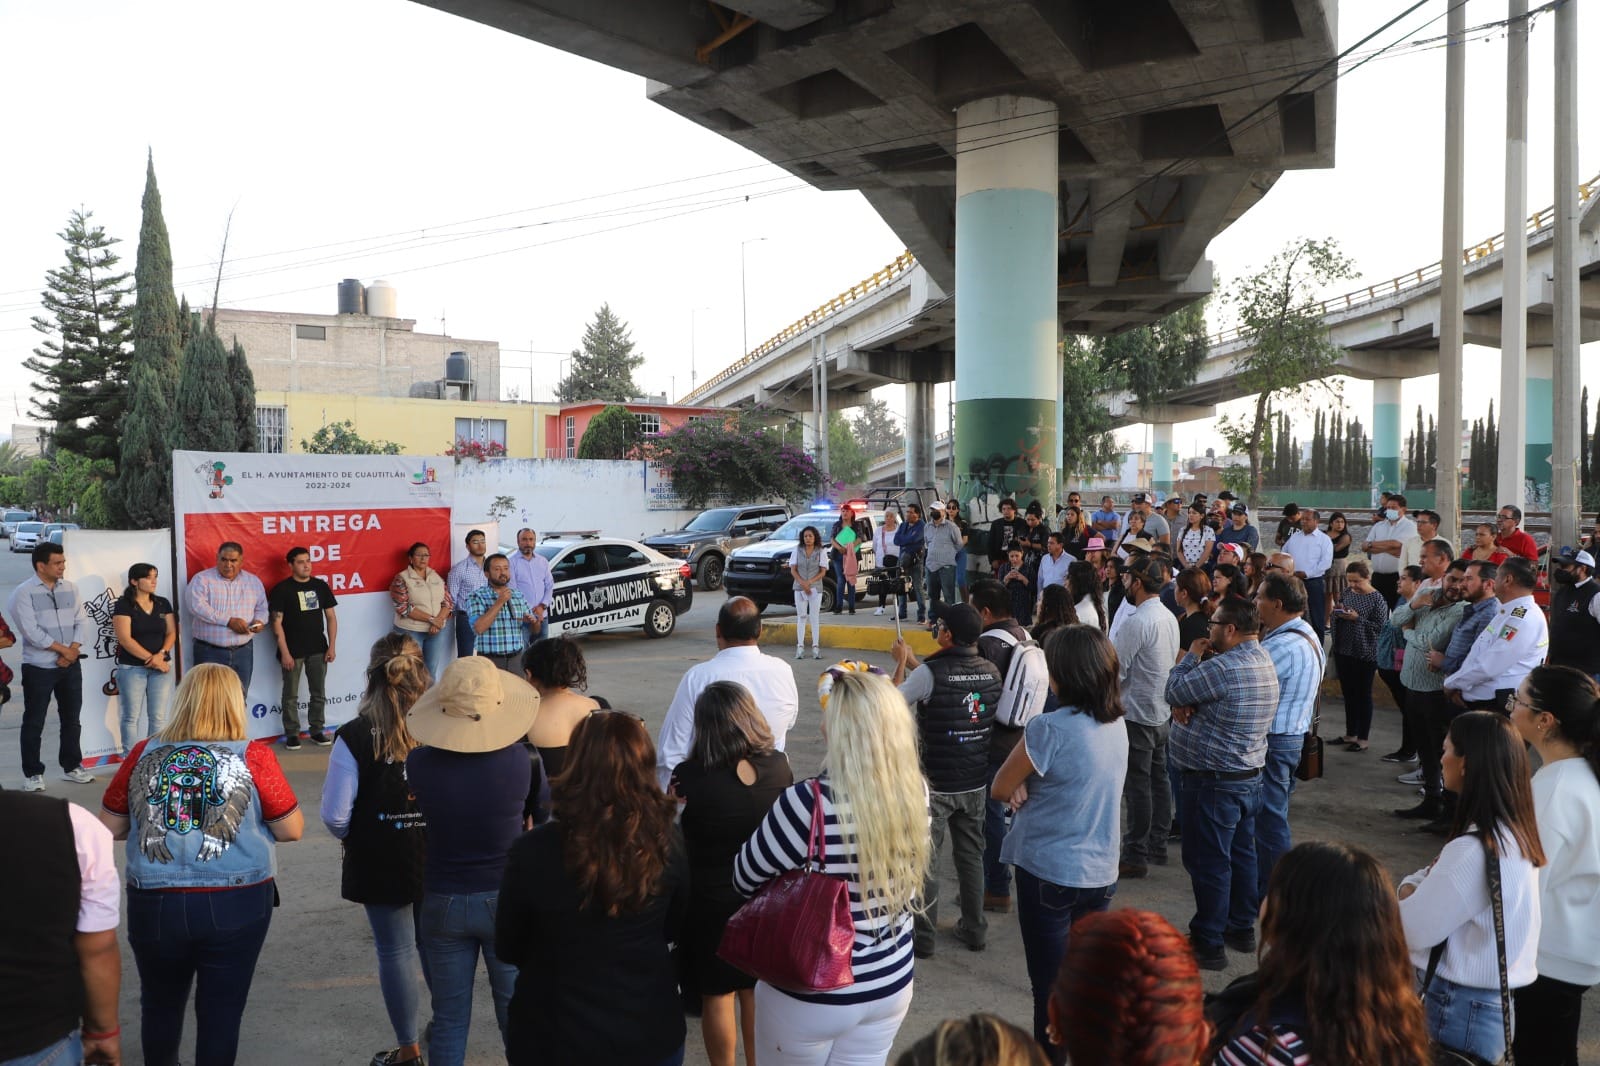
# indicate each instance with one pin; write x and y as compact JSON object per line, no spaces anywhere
{"x":1573,"y":699}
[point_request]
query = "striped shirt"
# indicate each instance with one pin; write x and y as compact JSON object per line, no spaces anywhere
{"x":465,"y":578}
{"x":1281,"y":1046}
{"x":46,"y":616}
{"x":882,"y":958}
{"x":1300,"y":665}
{"x":213,"y":600}
{"x":1235,"y":697}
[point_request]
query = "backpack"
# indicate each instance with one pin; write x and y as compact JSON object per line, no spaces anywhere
{"x":1027,"y":682}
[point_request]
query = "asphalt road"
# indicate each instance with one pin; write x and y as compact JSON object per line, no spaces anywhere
{"x":315,"y":998}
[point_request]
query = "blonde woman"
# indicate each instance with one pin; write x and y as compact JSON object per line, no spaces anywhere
{"x":366,"y":804}
{"x":875,"y":815}
{"x":201,"y":808}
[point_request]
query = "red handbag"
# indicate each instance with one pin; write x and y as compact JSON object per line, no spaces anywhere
{"x":796,"y":933}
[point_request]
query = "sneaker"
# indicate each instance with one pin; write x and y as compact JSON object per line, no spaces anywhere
{"x":1209,"y":958}
{"x":33,"y":784}
{"x":1241,"y":940}
{"x":878,"y":612}
{"x":321,"y":739}
{"x":78,"y":774}
{"x":1412,"y":778}
{"x":816,"y":653}
{"x":799,"y":651}
{"x":1400,"y":756}
{"x":291,"y":742}
{"x":393,"y":1057}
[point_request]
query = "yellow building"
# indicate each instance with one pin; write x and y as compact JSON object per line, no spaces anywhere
{"x":419,"y":426}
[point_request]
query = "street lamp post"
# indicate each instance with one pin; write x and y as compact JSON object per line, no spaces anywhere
{"x":744,"y":306}
{"x":693,"y":377}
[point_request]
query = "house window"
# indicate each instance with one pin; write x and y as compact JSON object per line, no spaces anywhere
{"x":572,"y":436}
{"x":271,"y":425}
{"x":649,"y":423}
{"x":482,"y":430}
{"x":311,"y":333}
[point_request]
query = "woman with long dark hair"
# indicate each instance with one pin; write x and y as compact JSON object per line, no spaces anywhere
{"x":726,"y":786}
{"x":1064,"y":781}
{"x":146,"y":628}
{"x":1334,"y":984}
{"x":1339,"y":533}
{"x":1193,"y":593}
{"x":557,"y":670}
{"x":1055,"y":611}
{"x":1194,"y":543}
{"x":1446,"y":905}
{"x":1087,"y":596}
{"x":1357,"y":618}
{"x":1227,"y":580}
{"x":1557,"y":710}
{"x":367,"y":804}
{"x":1254,"y":569}
{"x":588,"y":905}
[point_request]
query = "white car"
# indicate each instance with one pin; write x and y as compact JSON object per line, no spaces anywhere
{"x":606,"y":583}
{"x":26,"y":535}
{"x":9,"y":520}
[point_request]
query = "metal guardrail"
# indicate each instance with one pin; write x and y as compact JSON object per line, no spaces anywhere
{"x":902,"y":263}
{"x":900,"y":453}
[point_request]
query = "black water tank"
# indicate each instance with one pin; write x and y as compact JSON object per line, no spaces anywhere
{"x":352,"y":297}
{"x":457,"y":368}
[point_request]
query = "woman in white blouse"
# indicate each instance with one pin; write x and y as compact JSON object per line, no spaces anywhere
{"x":1446,"y":906}
{"x":1557,"y":710}
{"x":1194,"y":544}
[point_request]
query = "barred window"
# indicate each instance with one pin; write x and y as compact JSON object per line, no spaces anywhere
{"x":482,"y":430}
{"x":572,"y":436}
{"x":271,"y":427}
{"x":649,"y":423}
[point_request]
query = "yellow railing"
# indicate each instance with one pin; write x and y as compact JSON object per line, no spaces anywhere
{"x":904,"y":262}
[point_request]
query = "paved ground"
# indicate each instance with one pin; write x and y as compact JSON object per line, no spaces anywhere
{"x":316,"y":998}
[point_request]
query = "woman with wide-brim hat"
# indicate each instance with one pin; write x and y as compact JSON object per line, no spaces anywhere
{"x":471,"y":776}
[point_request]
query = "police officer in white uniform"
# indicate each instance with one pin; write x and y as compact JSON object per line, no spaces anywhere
{"x":1510,"y":646}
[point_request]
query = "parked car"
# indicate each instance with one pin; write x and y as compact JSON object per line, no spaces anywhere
{"x":761,"y":571}
{"x":26,"y":536}
{"x":9,"y":520}
{"x":52,"y":529}
{"x":605,"y":583}
{"x":704,"y":543}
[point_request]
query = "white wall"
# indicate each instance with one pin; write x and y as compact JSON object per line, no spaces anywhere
{"x":603,"y":494}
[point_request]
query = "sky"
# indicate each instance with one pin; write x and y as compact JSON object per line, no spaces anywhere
{"x":508,"y":190}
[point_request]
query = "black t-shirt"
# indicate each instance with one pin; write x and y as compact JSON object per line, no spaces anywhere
{"x":148,"y":629}
{"x":301,"y":603}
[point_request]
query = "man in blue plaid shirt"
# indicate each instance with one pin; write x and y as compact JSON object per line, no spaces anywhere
{"x":1222,"y":708}
{"x":498,"y":613}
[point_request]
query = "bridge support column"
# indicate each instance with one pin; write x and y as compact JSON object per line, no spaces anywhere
{"x":1161,"y":457}
{"x":1007,"y":385}
{"x":1512,"y":471}
{"x":1565,"y":500}
{"x":919,"y":433}
{"x":1386,"y":435}
{"x":1534,"y":492}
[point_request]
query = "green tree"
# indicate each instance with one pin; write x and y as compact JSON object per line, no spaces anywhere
{"x":1287,"y":347}
{"x":204,"y":416}
{"x":11,"y":461}
{"x":877,"y":430}
{"x":340,"y":438}
{"x":81,"y":368}
{"x":1594,"y":448}
{"x":737,"y":459}
{"x":1319,"y":450}
{"x":36,"y":483}
{"x":75,"y":485}
{"x":243,"y":383}
{"x":847,"y":459}
{"x":144,"y":481}
{"x":603,"y":368}
{"x":1089,"y":446}
{"x":1153,"y":361}
{"x":612,"y":434}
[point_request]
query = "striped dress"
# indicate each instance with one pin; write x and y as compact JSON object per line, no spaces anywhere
{"x":882,"y":958}
{"x":1256,"y":1047}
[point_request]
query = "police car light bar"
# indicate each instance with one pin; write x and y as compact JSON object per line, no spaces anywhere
{"x":563,"y":534}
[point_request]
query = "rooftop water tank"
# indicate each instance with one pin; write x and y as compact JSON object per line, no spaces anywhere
{"x":457,"y":367}
{"x":382,"y":300}
{"x":352,"y":299}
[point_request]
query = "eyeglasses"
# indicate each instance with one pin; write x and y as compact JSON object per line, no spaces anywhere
{"x":1512,"y":703}
{"x":1215,"y":623}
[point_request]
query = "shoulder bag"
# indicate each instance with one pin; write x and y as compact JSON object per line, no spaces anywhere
{"x":796,"y":933}
{"x":1443,"y":1054}
{"x":1310,"y":767}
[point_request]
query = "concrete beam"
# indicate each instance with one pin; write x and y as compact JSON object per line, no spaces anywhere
{"x":1110,"y":208}
{"x":1376,"y":364}
{"x":1127,"y":410}
{"x":785,"y":14}
{"x":1207,"y":202}
{"x":1485,"y":329}
{"x":926,"y":366}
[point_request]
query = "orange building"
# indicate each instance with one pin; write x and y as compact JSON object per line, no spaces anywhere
{"x":564,"y":430}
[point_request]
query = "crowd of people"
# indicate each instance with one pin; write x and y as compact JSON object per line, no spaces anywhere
{"x":1164,"y":696}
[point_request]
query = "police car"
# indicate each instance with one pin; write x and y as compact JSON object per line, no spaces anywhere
{"x":605,"y":583}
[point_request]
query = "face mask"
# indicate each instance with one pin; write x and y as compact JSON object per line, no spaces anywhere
{"x":1565,"y":577}
{"x":1392,"y":515}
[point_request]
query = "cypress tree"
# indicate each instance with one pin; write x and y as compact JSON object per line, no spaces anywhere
{"x":205,"y":416}
{"x":1336,"y":453}
{"x":1412,"y":466}
{"x":1594,"y":447}
{"x":144,"y":484}
{"x":1583,"y":438}
{"x":1491,"y":446}
{"x":1475,"y":455}
{"x":243,"y":383}
{"x":1430,"y":460}
{"x":1356,"y":472}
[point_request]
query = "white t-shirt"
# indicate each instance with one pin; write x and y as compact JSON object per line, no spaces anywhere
{"x":769,"y":680}
{"x":1451,"y":905}
{"x":1566,"y":801}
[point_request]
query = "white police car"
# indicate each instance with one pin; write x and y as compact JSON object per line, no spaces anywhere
{"x":606,"y":583}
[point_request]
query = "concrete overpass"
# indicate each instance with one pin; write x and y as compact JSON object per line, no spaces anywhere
{"x":1069,"y":160}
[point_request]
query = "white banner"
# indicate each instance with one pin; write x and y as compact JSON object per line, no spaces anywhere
{"x":97,"y":562}
{"x":356,"y":513}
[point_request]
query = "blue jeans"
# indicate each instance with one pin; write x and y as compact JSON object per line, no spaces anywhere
{"x":455,"y":928}
{"x":1219,"y":851}
{"x":435,"y":649}
{"x":241,"y":660}
{"x":961,"y":569}
{"x":996,"y":874}
{"x":844,"y":593}
{"x":397,"y":934}
{"x":142,"y":690}
{"x":39,"y":683}
{"x":210,"y":940}
{"x":68,"y":1051}
{"x":1277,"y":785}
{"x":1467,"y":1019}
{"x":912,"y":572}
{"x":466,"y":639}
{"x":1045,"y":913}
{"x":941,"y":589}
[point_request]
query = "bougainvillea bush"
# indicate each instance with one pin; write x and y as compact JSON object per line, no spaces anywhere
{"x":738,"y":459}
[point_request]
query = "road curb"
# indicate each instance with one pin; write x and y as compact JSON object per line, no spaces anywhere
{"x":857,"y":638}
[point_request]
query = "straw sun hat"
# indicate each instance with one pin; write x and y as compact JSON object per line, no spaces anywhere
{"x":475,"y":707}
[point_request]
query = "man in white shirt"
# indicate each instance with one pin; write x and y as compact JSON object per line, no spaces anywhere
{"x":768,"y":678}
{"x":1385,"y":541}
{"x":1427,"y":529}
{"x":1147,"y":646}
{"x":1313,"y":555}
{"x":1053,"y":565}
{"x":1510,"y":646}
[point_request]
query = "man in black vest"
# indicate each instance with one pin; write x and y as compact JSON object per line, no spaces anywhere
{"x":60,"y":968}
{"x":953,"y":696}
{"x":1575,"y":613}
